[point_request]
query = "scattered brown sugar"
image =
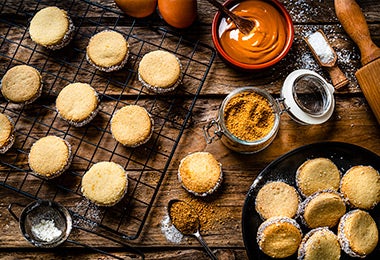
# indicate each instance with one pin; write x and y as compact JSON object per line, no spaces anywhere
{"x":211,"y":215}
{"x":249,"y":116}
{"x":184,"y":217}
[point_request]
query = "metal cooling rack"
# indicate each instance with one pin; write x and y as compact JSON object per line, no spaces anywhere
{"x":146,"y":165}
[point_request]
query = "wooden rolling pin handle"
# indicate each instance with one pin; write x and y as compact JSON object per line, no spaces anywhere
{"x":351,"y":17}
{"x":338,"y":78}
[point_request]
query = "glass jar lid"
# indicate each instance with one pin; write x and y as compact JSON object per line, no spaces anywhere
{"x":308,"y":98}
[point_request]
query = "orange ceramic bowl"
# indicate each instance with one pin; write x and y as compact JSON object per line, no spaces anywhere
{"x":288,"y":39}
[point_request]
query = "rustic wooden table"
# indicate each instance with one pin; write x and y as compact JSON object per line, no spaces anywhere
{"x":352,"y":122}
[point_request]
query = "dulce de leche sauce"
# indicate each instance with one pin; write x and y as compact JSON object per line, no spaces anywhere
{"x":264,"y":42}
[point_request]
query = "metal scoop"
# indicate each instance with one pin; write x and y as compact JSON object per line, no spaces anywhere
{"x":326,"y":57}
{"x":45,"y":210}
{"x":38,"y":211}
{"x":190,"y":225}
{"x":244,"y":25}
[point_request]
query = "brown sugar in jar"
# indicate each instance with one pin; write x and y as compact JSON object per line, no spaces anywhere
{"x":248,"y":120}
{"x":249,"y":116}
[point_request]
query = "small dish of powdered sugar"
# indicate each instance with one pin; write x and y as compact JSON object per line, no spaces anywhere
{"x":44,"y":223}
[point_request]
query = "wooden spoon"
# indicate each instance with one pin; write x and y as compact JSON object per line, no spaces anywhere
{"x":244,"y":25}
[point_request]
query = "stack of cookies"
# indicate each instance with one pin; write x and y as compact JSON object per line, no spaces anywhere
{"x":334,"y":210}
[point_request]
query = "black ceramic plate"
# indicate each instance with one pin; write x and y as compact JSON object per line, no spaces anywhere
{"x":344,"y":155}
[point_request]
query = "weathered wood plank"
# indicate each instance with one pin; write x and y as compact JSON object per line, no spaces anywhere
{"x":301,"y":11}
{"x":58,"y":72}
{"x":221,"y":78}
{"x":357,"y":125}
{"x":351,"y":122}
{"x":186,"y":254}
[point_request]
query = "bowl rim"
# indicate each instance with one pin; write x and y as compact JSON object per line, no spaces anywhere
{"x":288,"y":44}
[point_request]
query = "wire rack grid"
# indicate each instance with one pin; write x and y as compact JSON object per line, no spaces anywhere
{"x":146,"y":165}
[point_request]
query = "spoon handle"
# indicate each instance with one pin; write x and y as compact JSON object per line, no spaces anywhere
{"x":219,"y":6}
{"x":244,"y":25}
{"x":205,"y":246}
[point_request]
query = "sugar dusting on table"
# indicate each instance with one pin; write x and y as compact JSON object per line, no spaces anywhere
{"x":46,"y":230}
{"x":302,"y":58}
{"x":348,"y":59}
{"x":305,"y":11}
{"x":302,"y":10}
{"x":170,"y":232}
{"x":92,"y":213}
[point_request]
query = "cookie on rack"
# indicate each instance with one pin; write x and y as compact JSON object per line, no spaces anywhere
{"x":277,"y":199}
{"x":50,"y":156}
{"x":200,"y":173}
{"x":21,"y":84}
{"x":358,"y":233}
{"x":132,"y":126}
{"x":279,"y":237}
{"x":77,"y":103}
{"x":105,"y":183}
{"x":361,"y":187}
{"x":322,"y":209}
{"x":52,"y":28}
{"x":7,"y":133}
{"x":316,"y":175}
{"x":107,"y":51}
{"x":160,"y":71}
{"x":319,"y":243}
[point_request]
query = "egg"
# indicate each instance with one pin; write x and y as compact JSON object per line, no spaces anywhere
{"x":178,"y":13}
{"x":137,"y":8}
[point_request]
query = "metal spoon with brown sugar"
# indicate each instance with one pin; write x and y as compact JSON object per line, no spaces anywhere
{"x":186,"y":220}
{"x":244,"y":25}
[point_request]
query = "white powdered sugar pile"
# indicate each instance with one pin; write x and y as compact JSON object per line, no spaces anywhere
{"x":46,"y":230}
{"x":321,"y":47}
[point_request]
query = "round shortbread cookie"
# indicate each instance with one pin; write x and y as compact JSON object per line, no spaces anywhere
{"x":200,"y":173}
{"x":51,"y":27}
{"x":21,"y":84}
{"x":77,"y":103}
{"x":279,"y":237}
{"x":357,"y":233}
{"x":316,"y":175}
{"x":160,"y":71}
{"x":50,"y":156}
{"x":7,"y":136}
{"x":132,"y":126}
{"x":319,"y":243}
{"x":105,"y":183}
{"x":361,"y":187}
{"x":107,"y":51}
{"x":322,"y":209}
{"x":277,"y":199}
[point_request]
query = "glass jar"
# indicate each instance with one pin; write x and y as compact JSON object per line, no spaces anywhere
{"x":231,"y":141}
{"x":305,"y":96}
